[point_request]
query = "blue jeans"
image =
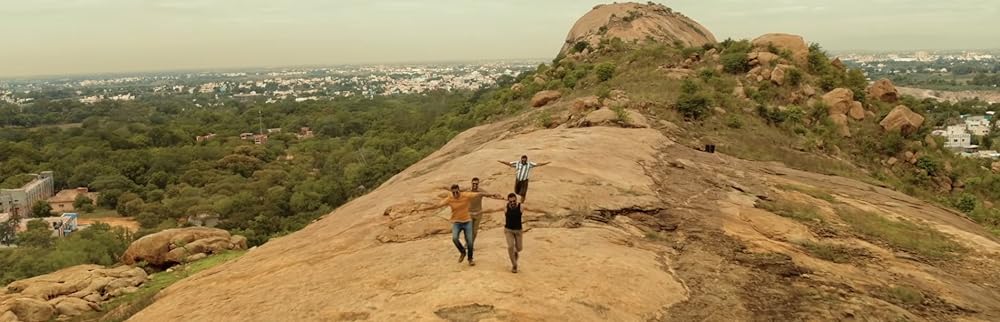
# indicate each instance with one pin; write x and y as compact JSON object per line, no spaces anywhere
{"x":467,"y":228}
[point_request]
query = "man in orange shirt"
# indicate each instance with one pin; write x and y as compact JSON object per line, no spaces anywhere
{"x":461,"y":220}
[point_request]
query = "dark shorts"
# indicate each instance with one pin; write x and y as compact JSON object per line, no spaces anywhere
{"x":521,"y":187}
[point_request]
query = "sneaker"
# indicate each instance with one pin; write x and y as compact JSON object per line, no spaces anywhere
{"x":461,"y":258}
{"x":514,"y":270}
{"x":471,"y":262}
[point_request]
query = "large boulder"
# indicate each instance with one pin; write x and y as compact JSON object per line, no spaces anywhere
{"x":209,"y":245}
{"x":155,"y":249}
{"x":586,"y":104}
{"x":996,"y":167}
{"x":902,"y":119}
{"x":779,"y":73}
{"x":839,"y":101}
{"x":792,"y":43}
{"x":857,"y":111}
{"x":762,"y":58}
{"x":71,"y":306}
{"x":32,"y":309}
{"x":883,"y":90}
{"x":544,"y":98}
{"x":635,"y":22}
{"x":840,"y":120}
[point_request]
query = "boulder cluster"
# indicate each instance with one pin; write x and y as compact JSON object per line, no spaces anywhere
{"x":843,"y":107}
{"x":182,"y":245}
{"x":67,"y":293}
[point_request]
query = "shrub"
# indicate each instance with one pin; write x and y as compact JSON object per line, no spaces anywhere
{"x":620,"y":114}
{"x":795,"y":77}
{"x":735,"y":63}
{"x":929,"y":165}
{"x":734,"y":122}
{"x":605,"y":71}
{"x":693,"y":106}
{"x":966,"y":203}
{"x":603,"y":92}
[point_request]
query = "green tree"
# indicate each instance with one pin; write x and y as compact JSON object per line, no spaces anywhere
{"x":8,"y":229}
{"x":83,"y":203}
{"x":41,"y":209}
{"x":38,"y":235}
{"x":605,"y":71}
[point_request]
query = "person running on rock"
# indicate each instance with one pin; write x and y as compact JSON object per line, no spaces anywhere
{"x":523,"y":168}
{"x":476,"y":207}
{"x":512,"y":230}
{"x":461,"y":220}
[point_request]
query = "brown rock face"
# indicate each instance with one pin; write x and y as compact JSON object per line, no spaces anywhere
{"x":636,"y":22}
{"x":838,"y":64}
{"x":793,"y":43}
{"x":902,"y":119}
{"x":156,"y":249}
{"x":544,"y":98}
{"x":883,"y":90}
{"x":839,"y":100}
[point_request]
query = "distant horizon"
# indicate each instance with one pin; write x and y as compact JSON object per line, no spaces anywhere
{"x":414,"y":62}
{"x":247,"y":68}
{"x":55,"y":38}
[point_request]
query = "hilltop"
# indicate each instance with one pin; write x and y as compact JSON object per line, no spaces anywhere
{"x":826,"y":201}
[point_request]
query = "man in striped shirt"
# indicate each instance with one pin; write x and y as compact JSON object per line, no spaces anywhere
{"x":522,"y":170}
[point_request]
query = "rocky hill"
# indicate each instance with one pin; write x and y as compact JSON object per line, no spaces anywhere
{"x":635,"y":22}
{"x":633,"y":221}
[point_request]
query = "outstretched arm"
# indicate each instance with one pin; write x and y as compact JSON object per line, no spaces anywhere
{"x":431,"y":207}
{"x":505,"y":163}
{"x":542,"y":164}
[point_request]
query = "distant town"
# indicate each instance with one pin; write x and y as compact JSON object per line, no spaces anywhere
{"x":297,"y":84}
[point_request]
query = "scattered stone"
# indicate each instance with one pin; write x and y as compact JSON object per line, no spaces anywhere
{"x":902,"y":119}
{"x":996,"y":167}
{"x":892,"y":161}
{"x":808,"y":91}
{"x":516,"y":88}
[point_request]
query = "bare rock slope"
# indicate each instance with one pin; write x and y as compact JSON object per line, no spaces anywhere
{"x":625,"y":225}
{"x":633,"y":21}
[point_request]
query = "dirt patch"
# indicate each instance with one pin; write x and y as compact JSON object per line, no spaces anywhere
{"x":124,"y":222}
{"x":466,"y":313}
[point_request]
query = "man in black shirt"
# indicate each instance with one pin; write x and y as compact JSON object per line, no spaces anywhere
{"x":513,"y":230}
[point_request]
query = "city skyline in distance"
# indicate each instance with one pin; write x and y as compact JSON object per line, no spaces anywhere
{"x":119,"y":36}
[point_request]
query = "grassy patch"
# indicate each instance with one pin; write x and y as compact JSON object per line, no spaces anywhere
{"x":833,"y":252}
{"x":904,"y":295}
{"x":127,"y":305}
{"x":815,"y":193}
{"x":903,"y":235}
{"x":793,"y":210}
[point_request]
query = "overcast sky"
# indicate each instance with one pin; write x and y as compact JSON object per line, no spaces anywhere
{"x":84,"y":36}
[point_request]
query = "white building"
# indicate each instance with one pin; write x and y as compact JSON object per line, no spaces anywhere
{"x":978,"y":125}
{"x":956,"y":136}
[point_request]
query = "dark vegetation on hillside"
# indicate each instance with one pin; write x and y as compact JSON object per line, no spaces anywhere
{"x":143,"y":160}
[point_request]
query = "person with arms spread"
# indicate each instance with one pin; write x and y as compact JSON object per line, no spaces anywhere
{"x":522,"y":170}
